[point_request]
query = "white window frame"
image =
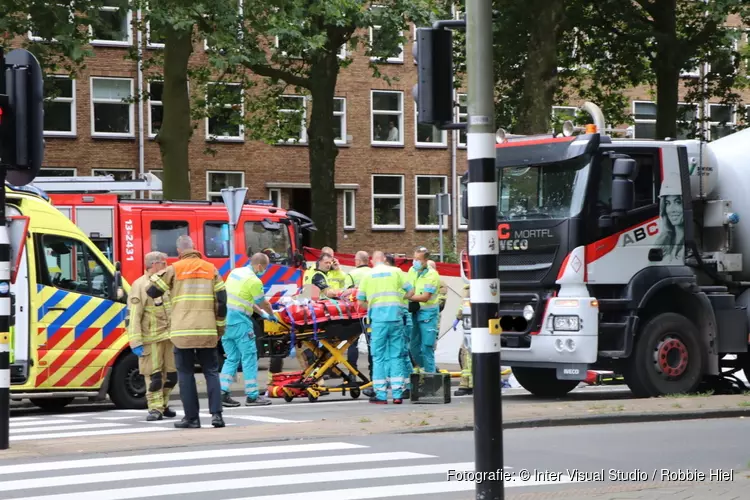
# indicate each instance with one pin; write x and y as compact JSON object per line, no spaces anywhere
{"x":418,"y":197}
{"x":637,"y":121}
{"x":341,"y":114}
{"x":149,"y":44}
{"x":372,"y":29}
{"x":227,"y":138}
{"x":374,"y":112}
{"x":460,"y":197}
{"x":158,"y":172}
{"x":131,"y":109}
{"x":208,"y":181}
{"x":443,"y":135}
{"x":303,"y":125}
{"x":115,"y":43}
{"x":733,"y":115}
{"x":401,"y":197}
{"x":131,"y":170}
{"x":735,"y":48}
{"x":72,"y":171}
{"x":73,"y":114}
{"x":152,"y":102}
{"x":277,"y":193}
{"x":459,"y":116}
{"x":345,"y":205}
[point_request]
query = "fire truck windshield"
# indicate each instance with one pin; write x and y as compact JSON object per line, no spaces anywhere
{"x":548,"y":191}
{"x":275,"y":243}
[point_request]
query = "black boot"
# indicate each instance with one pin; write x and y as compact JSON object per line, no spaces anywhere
{"x":407,"y":394}
{"x":463,"y":391}
{"x":169,"y":413}
{"x":187,"y":423}
{"x":227,"y":401}
{"x":218,"y":421}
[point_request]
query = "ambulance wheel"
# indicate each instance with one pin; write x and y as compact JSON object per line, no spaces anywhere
{"x":127,"y":387}
{"x":543,"y":382}
{"x":355,"y":392}
{"x":667,"y":358}
{"x":51,"y":404}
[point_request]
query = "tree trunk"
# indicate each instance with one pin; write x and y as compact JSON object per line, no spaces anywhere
{"x":176,"y":129}
{"x":540,"y":71}
{"x":667,"y":65}
{"x":323,"y":152}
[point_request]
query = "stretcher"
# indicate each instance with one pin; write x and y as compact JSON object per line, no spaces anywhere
{"x":327,"y":328}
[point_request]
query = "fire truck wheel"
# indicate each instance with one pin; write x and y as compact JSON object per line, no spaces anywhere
{"x":543,"y":382}
{"x":666,"y":359}
{"x":51,"y":404}
{"x":127,"y":387}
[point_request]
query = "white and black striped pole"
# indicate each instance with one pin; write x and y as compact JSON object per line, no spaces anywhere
{"x":5,"y":319}
{"x":483,"y":248}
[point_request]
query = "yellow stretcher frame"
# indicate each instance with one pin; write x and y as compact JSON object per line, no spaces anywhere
{"x":329,"y":354}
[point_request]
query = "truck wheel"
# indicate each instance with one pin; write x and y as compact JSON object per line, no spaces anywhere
{"x":543,"y":382}
{"x":127,"y":387}
{"x":666,"y":359}
{"x":51,"y":404}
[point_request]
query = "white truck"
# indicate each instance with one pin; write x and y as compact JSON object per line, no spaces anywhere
{"x":624,"y":255}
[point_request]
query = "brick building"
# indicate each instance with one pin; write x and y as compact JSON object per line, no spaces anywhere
{"x":387,"y":173}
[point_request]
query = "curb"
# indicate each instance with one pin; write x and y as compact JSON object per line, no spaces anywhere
{"x":625,"y":418}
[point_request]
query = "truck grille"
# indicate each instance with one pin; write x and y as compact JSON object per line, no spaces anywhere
{"x":525,"y":259}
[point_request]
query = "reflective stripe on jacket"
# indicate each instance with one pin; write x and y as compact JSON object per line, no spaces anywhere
{"x":244,"y":289}
{"x":427,"y":280}
{"x":383,"y":289}
{"x":148,"y":319}
{"x":199,"y":301}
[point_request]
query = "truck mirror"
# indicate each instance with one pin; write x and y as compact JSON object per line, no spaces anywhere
{"x":623,"y":188}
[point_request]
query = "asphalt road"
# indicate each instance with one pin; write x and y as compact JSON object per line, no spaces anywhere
{"x":383,"y":466}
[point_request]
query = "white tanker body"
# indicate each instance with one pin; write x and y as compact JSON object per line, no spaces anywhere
{"x":643,"y":266}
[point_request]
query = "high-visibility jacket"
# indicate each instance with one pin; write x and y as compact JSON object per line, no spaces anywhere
{"x":198,"y":298}
{"x":244,"y":289}
{"x":148,"y":318}
{"x":442,"y":294}
{"x":355,"y":276}
{"x":336,"y":278}
{"x":383,"y":289}
{"x":426,"y":280}
{"x":460,"y":312}
{"x":307,"y":276}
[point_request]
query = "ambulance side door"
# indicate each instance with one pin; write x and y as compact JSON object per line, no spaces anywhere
{"x":80,"y":325}
{"x":162,"y":228}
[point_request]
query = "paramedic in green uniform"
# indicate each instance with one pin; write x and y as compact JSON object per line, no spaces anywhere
{"x":425,"y":310}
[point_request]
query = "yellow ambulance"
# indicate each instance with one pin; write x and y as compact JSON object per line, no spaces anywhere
{"x":69,"y":339}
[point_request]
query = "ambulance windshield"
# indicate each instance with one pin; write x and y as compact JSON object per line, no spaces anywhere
{"x":275,"y":243}
{"x":548,"y":191}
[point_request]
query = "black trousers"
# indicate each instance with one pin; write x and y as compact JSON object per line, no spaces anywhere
{"x":209,"y":361}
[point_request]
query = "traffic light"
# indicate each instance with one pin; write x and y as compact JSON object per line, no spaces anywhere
{"x":433,"y":52}
{"x":21,"y":117}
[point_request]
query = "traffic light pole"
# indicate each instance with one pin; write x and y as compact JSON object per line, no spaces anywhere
{"x":484,"y":284}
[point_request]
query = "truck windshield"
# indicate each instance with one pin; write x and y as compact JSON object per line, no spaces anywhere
{"x":274,"y":243}
{"x":549,"y":191}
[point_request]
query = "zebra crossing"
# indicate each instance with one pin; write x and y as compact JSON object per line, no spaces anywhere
{"x":309,"y":471}
{"x":117,"y":422}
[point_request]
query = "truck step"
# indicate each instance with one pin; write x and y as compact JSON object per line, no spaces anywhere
{"x":613,"y":304}
{"x":611,"y":354}
{"x":613,"y":326}
{"x":714,"y":289}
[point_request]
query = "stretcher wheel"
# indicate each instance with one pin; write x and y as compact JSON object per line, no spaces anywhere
{"x":312,"y":398}
{"x":354,"y":392}
{"x":288,"y":398}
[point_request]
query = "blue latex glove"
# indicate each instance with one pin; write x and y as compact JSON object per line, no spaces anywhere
{"x":268,"y":317}
{"x":455,"y":324}
{"x":138,"y":351}
{"x":292,"y":352}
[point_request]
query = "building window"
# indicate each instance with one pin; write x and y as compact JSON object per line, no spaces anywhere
{"x":349,"y":209}
{"x":686,"y":115}
{"x":60,"y":108}
{"x":55,"y":15}
{"x":111,"y":114}
{"x":216,"y":181}
{"x":644,"y":115}
{"x":164,"y":234}
{"x":275,"y":196}
{"x":388,"y":201}
{"x":157,"y":195}
{"x":378,"y":44}
{"x":428,"y":136}
{"x":427,"y":187}
{"x":463,"y":222}
{"x":227,"y":110}
{"x":339,"y":120}
{"x":387,"y":108}
{"x":216,"y":239}
{"x":114,"y":26}
{"x":155,"y":36}
{"x":57,"y":172}
{"x":120,"y":174}
{"x":293,"y":108}
{"x":155,"y":107}
{"x":721,"y":121}
{"x":462,"y":114}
